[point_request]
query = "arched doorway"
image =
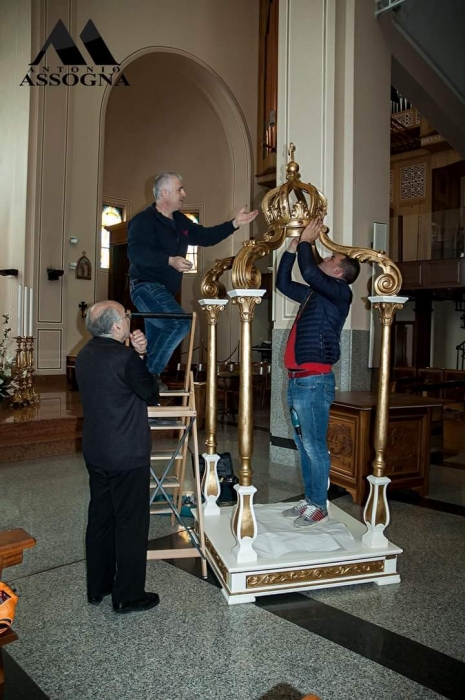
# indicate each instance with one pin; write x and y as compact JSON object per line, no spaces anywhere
{"x":178,"y":115}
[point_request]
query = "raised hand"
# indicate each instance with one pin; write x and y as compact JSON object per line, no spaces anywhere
{"x":242,"y":217}
{"x":293,"y":243}
{"x":138,"y":342}
{"x":179,"y":263}
{"x":312,"y":231}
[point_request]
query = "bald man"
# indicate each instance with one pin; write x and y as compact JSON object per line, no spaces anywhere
{"x":116,"y":389}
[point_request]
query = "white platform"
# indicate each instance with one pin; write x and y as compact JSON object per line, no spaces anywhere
{"x":288,"y":558}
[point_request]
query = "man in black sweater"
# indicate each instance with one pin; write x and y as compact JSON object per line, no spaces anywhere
{"x":116,"y":389}
{"x":312,"y":349}
{"x":158,"y":238}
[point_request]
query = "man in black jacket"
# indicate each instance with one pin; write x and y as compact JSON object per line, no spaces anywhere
{"x":158,"y":238}
{"x":312,"y":349}
{"x":116,"y":388}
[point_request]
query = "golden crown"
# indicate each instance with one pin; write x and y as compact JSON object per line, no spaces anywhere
{"x":294,"y":204}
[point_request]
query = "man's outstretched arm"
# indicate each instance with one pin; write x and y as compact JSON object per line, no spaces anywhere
{"x":284,"y":282}
{"x":211,"y":235}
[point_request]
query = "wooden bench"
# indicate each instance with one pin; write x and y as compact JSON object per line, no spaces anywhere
{"x":12,"y":545}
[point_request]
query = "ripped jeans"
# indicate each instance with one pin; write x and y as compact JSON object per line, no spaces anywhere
{"x":311,"y":397}
{"x":163,"y":334}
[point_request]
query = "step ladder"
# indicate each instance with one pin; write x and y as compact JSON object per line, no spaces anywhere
{"x":180,"y":396}
{"x":181,"y":418}
{"x":175,"y":482}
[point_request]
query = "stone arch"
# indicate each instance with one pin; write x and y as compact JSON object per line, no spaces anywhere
{"x":238,"y":144}
{"x":225,"y":106}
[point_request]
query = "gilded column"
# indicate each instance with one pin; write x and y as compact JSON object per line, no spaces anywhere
{"x":244,"y":524}
{"x":376,"y":514}
{"x":211,"y":484}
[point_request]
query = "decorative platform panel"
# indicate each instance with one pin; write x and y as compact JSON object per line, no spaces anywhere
{"x":299,"y":570}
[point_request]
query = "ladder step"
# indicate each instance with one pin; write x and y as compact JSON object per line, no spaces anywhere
{"x":170,"y":482}
{"x":174,"y":392}
{"x":164,"y":423}
{"x":163,"y":454}
{"x":170,"y":412}
{"x":160,"y":508}
{"x":184,"y":553}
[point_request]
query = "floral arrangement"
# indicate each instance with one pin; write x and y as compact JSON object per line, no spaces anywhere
{"x":6,"y":361}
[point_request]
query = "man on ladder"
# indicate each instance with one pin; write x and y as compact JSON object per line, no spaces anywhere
{"x":158,"y":239}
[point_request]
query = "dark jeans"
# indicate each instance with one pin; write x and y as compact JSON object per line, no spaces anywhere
{"x":117,"y":532}
{"x":163,"y":335}
{"x":311,"y":397}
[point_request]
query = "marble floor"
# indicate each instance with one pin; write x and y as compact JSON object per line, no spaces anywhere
{"x":371,"y":643}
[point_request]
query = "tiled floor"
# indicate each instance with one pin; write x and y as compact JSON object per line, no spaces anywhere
{"x":400,"y":641}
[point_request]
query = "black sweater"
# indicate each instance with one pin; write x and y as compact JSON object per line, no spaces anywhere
{"x":115,"y":388}
{"x":153,"y":238}
{"x":321,"y":318}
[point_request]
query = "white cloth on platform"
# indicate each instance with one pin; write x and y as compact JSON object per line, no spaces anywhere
{"x":277,"y":535}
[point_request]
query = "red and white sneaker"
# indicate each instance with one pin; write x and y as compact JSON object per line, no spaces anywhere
{"x":296,"y":510}
{"x":312,"y":515}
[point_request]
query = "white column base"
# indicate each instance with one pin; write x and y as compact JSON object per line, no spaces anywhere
{"x":374,"y":537}
{"x":376,"y":514}
{"x":244,"y":525}
{"x":211,"y":485}
{"x":244,"y":551}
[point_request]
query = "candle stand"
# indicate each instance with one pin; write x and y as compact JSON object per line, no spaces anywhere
{"x":24,"y":393}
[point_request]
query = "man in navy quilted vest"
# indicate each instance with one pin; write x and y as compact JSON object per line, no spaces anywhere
{"x":312,"y":349}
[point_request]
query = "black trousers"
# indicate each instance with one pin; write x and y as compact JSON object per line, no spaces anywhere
{"x":117,"y":532}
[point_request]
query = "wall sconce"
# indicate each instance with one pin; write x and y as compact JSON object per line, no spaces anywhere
{"x":72,"y":266}
{"x":73,"y":240}
{"x":53,"y":274}
{"x":83,"y":307}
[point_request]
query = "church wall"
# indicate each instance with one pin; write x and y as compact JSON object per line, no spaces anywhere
{"x":372,"y":76}
{"x":15,"y":43}
{"x":221,"y":36}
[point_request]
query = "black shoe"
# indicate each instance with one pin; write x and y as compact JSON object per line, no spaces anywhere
{"x":149,"y":601}
{"x":96,"y":600}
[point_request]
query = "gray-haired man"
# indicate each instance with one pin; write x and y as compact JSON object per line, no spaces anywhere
{"x":158,"y":238}
{"x":116,"y":388}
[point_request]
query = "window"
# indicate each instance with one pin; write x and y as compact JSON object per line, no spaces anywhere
{"x":192,"y":250}
{"x":111,"y":215}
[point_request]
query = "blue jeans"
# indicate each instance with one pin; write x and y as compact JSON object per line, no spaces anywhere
{"x":311,"y":397}
{"x":163,"y":334}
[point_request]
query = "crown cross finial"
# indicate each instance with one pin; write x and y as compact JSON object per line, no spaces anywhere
{"x":294,"y":204}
